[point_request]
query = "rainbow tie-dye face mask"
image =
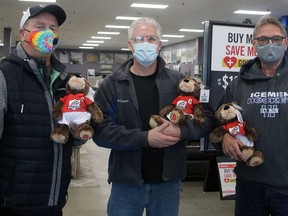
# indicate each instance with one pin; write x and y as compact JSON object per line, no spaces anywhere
{"x":45,"y":41}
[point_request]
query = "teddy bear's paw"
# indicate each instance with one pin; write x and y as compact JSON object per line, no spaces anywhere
{"x":155,"y":121}
{"x":60,"y":134}
{"x":214,"y":138}
{"x":98,"y":119}
{"x":85,"y":135}
{"x":247,"y":152}
{"x":256,"y":159}
{"x":175,"y":116}
{"x":59,"y":138}
{"x":200,"y":120}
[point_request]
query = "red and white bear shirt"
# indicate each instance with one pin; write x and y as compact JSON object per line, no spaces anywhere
{"x":75,"y":109}
{"x":235,"y":128}
{"x":185,"y":103}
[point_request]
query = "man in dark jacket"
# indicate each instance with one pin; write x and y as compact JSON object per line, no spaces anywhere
{"x":146,"y":165}
{"x":34,"y":172}
{"x":261,"y":90}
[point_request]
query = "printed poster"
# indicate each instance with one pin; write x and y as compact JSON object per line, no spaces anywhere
{"x":231,"y":47}
{"x":227,"y":178}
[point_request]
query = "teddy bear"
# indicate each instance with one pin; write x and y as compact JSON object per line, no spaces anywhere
{"x":231,"y":121}
{"x":184,"y":107}
{"x":75,"y":109}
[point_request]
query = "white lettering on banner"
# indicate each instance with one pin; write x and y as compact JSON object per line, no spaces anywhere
{"x":225,"y":81}
{"x":270,"y":102}
{"x":269,"y":94}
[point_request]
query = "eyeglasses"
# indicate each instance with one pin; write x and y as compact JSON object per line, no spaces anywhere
{"x":141,"y":39}
{"x":277,"y":40}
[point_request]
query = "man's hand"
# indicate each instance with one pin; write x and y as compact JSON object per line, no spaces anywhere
{"x":172,"y":129}
{"x":231,"y":147}
{"x":158,"y":139}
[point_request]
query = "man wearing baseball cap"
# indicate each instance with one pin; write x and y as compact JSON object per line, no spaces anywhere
{"x":35,"y":172}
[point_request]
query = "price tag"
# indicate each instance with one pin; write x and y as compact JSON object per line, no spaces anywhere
{"x":204,"y":95}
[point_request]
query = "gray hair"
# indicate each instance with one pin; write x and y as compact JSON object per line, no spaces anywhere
{"x":145,"y":20}
{"x":269,"y":20}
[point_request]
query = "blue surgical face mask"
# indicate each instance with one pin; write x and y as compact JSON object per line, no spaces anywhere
{"x":270,"y":53}
{"x":145,"y":53}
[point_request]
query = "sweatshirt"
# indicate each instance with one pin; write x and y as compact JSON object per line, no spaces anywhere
{"x":265,"y":107}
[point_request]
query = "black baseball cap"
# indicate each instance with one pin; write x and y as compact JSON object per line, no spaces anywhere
{"x":55,"y":10}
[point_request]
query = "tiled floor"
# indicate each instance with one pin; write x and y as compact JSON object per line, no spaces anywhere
{"x":88,"y":196}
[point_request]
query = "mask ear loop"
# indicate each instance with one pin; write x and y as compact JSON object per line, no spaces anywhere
{"x":27,"y":31}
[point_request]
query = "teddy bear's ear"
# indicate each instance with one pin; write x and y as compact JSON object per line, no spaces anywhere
{"x":218,"y":111}
{"x":217,"y":114}
{"x":197,"y":80}
{"x":236,"y":106}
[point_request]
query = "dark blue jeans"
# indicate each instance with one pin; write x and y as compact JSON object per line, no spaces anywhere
{"x":130,"y":199}
{"x":255,"y":200}
{"x":4,"y":212}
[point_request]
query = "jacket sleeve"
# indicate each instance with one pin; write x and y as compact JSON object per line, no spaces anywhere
{"x":227,"y":95}
{"x":108,"y":133}
{"x":191,"y":130}
{"x":3,"y":101}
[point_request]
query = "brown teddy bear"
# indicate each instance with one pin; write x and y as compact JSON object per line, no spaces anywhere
{"x":231,"y":121}
{"x":185,"y":106}
{"x":76,"y":108}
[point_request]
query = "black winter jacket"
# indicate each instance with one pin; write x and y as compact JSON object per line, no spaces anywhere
{"x":34,"y":172}
{"x":265,"y":107}
{"x":121,"y":128}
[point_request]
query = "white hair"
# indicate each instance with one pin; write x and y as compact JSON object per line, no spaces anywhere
{"x":145,"y":20}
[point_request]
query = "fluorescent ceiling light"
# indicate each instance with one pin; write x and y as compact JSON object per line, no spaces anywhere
{"x":127,"y":18}
{"x":93,"y":41}
{"x":1,"y":44}
{"x":117,"y":26}
{"x":87,"y":44}
{"x":39,"y":0}
{"x":125,"y":49}
{"x":109,"y":33}
{"x":164,"y":40}
{"x":173,"y":36}
{"x":191,"y":30}
{"x":155,"y":6}
{"x":103,"y":38}
{"x":86,"y":47}
{"x":252,"y":12}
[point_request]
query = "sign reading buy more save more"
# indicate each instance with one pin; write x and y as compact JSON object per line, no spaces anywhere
{"x":227,"y":178}
{"x":231,"y":47}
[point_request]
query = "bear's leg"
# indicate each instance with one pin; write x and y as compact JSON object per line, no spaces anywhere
{"x":85,"y":131}
{"x":177,"y":116}
{"x":256,"y":159}
{"x":155,"y":120}
{"x":60,"y":134}
{"x":247,"y":152}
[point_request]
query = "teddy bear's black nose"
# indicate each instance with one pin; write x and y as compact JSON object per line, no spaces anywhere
{"x":226,"y":107}
{"x":186,"y":80}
